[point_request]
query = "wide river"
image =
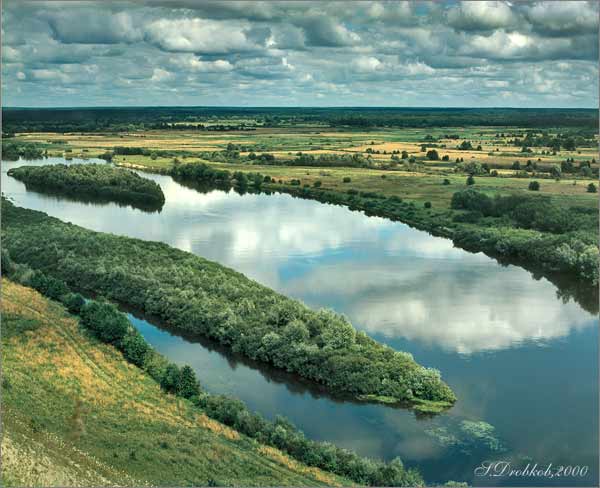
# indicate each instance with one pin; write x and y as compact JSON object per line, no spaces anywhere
{"x":523,"y":363}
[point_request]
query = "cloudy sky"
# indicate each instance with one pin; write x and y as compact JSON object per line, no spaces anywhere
{"x":193,"y":52}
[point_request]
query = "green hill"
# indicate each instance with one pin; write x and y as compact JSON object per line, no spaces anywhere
{"x":75,"y":413}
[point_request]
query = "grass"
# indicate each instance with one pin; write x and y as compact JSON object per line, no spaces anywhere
{"x":75,"y":413}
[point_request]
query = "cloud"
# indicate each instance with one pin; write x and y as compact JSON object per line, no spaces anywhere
{"x":284,"y":52}
{"x":201,"y":36}
{"x":92,"y":26}
{"x":327,"y":32}
{"x":367,"y":64}
{"x":190,"y":62}
{"x":563,"y":18}
{"x":481,"y":15}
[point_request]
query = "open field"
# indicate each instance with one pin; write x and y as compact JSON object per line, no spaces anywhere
{"x":498,"y":148}
{"x":75,"y":413}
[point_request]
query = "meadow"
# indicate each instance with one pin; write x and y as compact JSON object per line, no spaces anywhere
{"x":76,"y":413}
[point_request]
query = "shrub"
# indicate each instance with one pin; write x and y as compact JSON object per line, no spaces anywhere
{"x":105,"y":321}
{"x":73,"y":302}
{"x":470,"y":180}
{"x":591,"y":188}
{"x":534,"y":186}
{"x":433,"y":155}
{"x":471,"y":199}
{"x":446,"y":181}
{"x":427,"y":205}
{"x":134,"y":347}
{"x":317,"y":184}
{"x":346,"y":179}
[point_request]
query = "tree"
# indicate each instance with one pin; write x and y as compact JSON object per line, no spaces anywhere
{"x":317,"y":184}
{"x":134,"y":347}
{"x":404,"y":155}
{"x":74,"y":302}
{"x":465,"y":146}
{"x":170,"y":378}
{"x":188,"y":385}
{"x":105,"y":321}
{"x":470,"y":180}
{"x":591,"y":188}
{"x":427,"y":205}
{"x":446,"y":181}
{"x":347,"y":179}
{"x":534,"y":186}
{"x":433,"y":155}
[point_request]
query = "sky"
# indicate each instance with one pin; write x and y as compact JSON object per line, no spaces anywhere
{"x":255,"y":53}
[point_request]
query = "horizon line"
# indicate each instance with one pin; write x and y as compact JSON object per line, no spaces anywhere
{"x":16,"y":107}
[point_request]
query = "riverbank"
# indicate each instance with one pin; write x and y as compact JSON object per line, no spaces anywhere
{"x":202,"y":297}
{"x":75,"y":413}
{"x":573,"y":251}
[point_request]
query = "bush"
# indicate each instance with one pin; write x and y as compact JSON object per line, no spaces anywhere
{"x":591,"y":188}
{"x":317,"y":184}
{"x":74,"y":302}
{"x":427,"y":205}
{"x":134,"y":347}
{"x":346,"y":179}
{"x":470,"y":180}
{"x":534,"y":186}
{"x":446,"y":181}
{"x":105,"y":321}
{"x":471,"y":199}
{"x":433,"y":155}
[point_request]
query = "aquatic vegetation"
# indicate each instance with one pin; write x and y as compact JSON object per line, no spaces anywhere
{"x":467,"y":436}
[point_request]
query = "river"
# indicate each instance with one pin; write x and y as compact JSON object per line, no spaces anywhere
{"x":523,"y":363}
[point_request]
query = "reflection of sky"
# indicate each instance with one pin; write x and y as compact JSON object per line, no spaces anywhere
{"x":391,"y":280}
{"x":411,"y":290}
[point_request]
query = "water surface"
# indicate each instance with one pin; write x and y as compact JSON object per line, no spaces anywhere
{"x":517,"y":356}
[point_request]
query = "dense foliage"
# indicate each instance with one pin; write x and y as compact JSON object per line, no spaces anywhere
{"x":92,"y":181}
{"x":186,"y":118}
{"x":13,"y":150}
{"x":110,"y":325}
{"x":202,"y":297}
{"x":567,"y":240}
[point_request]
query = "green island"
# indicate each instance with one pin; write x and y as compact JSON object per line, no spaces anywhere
{"x":92,"y":181}
{"x":202,"y":297}
{"x":90,"y":398}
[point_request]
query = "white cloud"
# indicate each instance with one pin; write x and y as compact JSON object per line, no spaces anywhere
{"x":481,"y":15}
{"x":189,"y":62}
{"x":367,"y":64}
{"x":199,"y":36}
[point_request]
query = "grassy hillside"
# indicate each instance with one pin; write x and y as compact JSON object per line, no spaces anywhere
{"x":75,"y":413}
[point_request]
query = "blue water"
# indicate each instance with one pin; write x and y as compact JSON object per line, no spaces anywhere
{"x":519,"y":358}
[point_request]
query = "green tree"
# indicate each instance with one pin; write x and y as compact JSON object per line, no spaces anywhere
{"x":105,"y":321}
{"x":134,"y":347}
{"x":188,"y":385}
{"x":591,"y":188}
{"x":433,"y":155}
{"x":470,"y":180}
{"x":534,"y":186}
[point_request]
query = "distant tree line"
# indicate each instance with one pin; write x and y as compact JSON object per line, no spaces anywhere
{"x":186,"y":118}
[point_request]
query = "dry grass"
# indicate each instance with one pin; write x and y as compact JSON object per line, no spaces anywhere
{"x":127,"y":430}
